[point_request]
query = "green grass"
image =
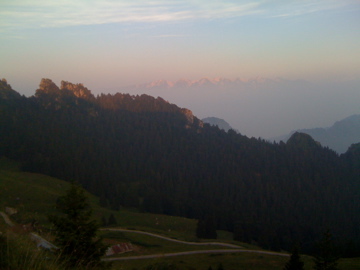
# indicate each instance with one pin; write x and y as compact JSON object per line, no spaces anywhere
{"x":34,"y":195}
{"x":174,"y":227}
{"x":18,"y":252}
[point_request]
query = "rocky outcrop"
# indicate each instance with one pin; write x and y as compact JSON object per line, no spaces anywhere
{"x":47,"y":86}
{"x":79,"y":90}
{"x":192,"y":121}
{"x":54,"y":97}
{"x":189,"y":115}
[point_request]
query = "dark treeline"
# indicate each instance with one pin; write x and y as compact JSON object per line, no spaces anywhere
{"x":138,"y":151}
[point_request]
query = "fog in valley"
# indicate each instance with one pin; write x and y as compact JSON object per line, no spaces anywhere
{"x":260,"y":107}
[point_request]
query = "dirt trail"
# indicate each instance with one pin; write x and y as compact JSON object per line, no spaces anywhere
{"x":237,"y":249}
{"x":195,"y":252}
{"x":174,"y":240}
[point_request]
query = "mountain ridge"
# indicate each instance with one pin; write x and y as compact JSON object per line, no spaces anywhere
{"x":339,"y":137}
{"x":220,"y":123}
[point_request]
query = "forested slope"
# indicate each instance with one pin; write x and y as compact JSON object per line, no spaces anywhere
{"x":143,"y":152}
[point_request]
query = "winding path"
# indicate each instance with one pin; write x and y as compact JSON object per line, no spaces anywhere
{"x":237,"y":249}
{"x":174,"y":240}
{"x":219,"y":251}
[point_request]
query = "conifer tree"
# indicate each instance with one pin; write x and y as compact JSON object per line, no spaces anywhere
{"x":112,"y":220}
{"x":326,"y":258}
{"x":75,"y":232}
{"x":294,"y":262}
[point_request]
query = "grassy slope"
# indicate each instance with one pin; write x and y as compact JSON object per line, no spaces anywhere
{"x":34,"y":195}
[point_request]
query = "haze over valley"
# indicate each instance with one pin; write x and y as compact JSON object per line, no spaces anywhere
{"x":260,"y":107}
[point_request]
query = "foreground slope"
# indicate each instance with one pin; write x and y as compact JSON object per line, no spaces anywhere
{"x":138,"y":151}
{"x":28,"y":186}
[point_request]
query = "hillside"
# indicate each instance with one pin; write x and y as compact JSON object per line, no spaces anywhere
{"x":28,"y":186}
{"x":32,"y":197}
{"x":339,"y":137}
{"x":220,"y":123}
{"x":143,"y":152}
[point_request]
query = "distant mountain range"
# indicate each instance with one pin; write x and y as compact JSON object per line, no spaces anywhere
{"x":204,"y":82}
{"x":338,"y":137}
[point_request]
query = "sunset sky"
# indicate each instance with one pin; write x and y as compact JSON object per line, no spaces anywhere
{"x":110,"y":44}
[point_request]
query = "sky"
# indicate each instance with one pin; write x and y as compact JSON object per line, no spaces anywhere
{"x":107,"y":45}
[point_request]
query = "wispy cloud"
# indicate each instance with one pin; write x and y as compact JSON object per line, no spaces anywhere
{"x":61,"y":13}
{"x":44,"y":13}
{"x":294,"y":8}
{"x":168,"y":36}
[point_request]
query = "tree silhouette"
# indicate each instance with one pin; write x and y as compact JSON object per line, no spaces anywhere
{"x":326,"y":258}
{"x":112,"y":220}
{"x":294,"y":262}
{"x":75,"y":232}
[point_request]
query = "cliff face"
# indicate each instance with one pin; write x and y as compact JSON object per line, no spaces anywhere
{"x":189,"y":115}
{"x":79,"y":90}
{"x":47,"y":86}
{"x":192,"y":121}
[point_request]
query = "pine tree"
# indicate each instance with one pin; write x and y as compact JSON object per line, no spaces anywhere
{"x":112,"y":220}
{"x":294,"y":263}
{"x":75,"y":232}
{"x":326,"y":258}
